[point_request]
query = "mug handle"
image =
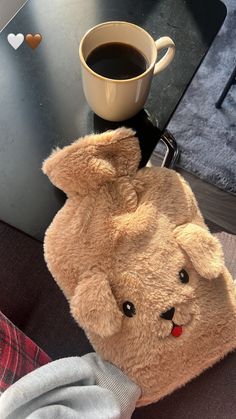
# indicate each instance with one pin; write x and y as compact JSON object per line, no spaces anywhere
{"x":161,"y":43}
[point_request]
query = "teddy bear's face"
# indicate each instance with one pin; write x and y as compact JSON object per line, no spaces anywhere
{"x":165,"y":309}
{"x":157,"y":295}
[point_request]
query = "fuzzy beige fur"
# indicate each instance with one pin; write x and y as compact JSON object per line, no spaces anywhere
{"x":125,"y":235}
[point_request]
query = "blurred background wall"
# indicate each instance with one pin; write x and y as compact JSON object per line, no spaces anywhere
{"x":8,"y":8}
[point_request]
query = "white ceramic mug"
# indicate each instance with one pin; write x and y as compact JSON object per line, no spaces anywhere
{"x":117,"y":100}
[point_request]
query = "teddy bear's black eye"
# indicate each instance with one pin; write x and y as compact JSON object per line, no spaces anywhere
{"x":129,"y":309}
{"x":183,"y":276}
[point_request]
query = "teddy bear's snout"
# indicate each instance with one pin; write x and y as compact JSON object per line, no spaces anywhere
{"x":169,"y":314}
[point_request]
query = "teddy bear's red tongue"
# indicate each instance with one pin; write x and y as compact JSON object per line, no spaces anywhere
{"x":176,"y":330}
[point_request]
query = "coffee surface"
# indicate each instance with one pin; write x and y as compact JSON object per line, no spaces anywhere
{"x":117,"y":61}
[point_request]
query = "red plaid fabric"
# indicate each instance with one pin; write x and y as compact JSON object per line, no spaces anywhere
{"x":18,"y":354}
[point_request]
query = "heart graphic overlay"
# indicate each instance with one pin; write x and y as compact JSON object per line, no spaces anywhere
{"x":15,"y":40}
{"x":33,"y":40}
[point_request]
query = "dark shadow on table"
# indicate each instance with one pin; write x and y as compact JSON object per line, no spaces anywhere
{"x":202,"y":10}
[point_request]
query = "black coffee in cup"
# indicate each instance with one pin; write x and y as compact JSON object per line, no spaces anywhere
{"x":115,"y":60}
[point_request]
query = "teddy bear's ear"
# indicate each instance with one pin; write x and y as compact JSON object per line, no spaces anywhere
{"x":94,"y":306}
{"x":90,"y":162}
{"x":203,"y":249}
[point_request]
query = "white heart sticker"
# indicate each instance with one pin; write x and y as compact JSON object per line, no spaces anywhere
{"x":15,"y":40}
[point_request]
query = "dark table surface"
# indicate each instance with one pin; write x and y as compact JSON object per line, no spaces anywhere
{"x":42,"y":103}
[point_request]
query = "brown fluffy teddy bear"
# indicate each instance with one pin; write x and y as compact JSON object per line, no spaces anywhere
{"x":142,"y":274}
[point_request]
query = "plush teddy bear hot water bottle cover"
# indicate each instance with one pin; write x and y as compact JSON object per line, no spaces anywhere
{"x":141,"y":272}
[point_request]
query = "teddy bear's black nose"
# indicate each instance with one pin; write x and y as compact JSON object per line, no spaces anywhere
{"x":169,"y":314}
